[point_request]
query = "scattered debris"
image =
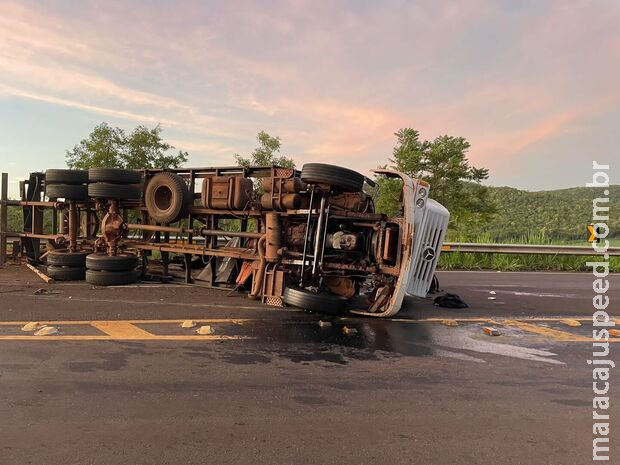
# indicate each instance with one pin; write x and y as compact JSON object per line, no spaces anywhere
{"x":46,"y":331}
{"x":349,"y":331}
{"x":32,"y":326}
{"x":614,"y":332}
{"x":450,"y":322}
{"x":205,"y":330}
{"x":492,"y":292}
{"x":325,"y":324}
{"x":491,"y":331}
{"x":188,"y":324}
{"x":491,"y":298}
{"x":573,"y":323}
{"x":450,"y":301}
{"x":40,"y":274}
{"x":43,"y":291}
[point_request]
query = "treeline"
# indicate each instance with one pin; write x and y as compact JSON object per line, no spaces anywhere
{"x":561,"y":215}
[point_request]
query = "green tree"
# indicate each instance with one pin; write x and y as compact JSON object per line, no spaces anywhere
{"x":112,"y":147}
{"x":266,"y":154}
{"x":444,"y":165}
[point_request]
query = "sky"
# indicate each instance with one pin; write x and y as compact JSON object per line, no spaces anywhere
{"x":532,"y":85}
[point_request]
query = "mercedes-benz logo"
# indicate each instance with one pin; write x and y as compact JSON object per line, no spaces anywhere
{"x":428,"y":254}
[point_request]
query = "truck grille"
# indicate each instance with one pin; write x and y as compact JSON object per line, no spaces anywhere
{"x":429,"y":236}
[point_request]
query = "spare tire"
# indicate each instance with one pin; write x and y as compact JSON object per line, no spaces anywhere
{"x":66,"y":191}
{"x":111,"y":278}
{"x":167,"y":197}
{"x":66,"y":273}
{"x":105,"y":262}
{"x":66,"y":177}
{"x":337,"y":176}
{"x":66,"y":258}
{"x":104,"y":190}
{"x":114,"y":175}
{"x":330,"y":304}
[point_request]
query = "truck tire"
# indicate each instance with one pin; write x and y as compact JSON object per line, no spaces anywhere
{"x":337,"y":176}
{"x":111,"y":278}
{"x":66,"y":273}
{"x":114,"y":175}
{"x":105,"y":262}
{"x":321,"y":303}
{"x":66,"y":191}
{"x":66,"y":177}
{"x":66,"y":258}
{"x":105,"y":190}
{"x":167,"y":197}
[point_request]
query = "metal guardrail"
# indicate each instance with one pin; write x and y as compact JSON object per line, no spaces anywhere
{"x":526,"y":249}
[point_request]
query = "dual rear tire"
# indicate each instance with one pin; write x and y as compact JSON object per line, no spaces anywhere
{"x":66,"y":184}
{"x":63,"y":265}
{"x":114,"y":183}
{"x":106,"y":270}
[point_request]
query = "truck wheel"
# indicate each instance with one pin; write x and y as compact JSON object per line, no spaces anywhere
{"x":337,"y":176}
{"x":66,"y":273}
{"x":105,"y":190}
{"x":66,"y":191}
{"x":321,"y":303}
{"x":105,"y":262}
{"x":114,"y":175}
{"x":167,"y":197}
{"x":66,"y":258}
{"x":66,"y":177}
{"x":111,"y":278}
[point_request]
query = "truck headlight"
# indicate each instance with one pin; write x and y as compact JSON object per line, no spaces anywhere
{"x":422,"y":192}
{"x":420,"y":203}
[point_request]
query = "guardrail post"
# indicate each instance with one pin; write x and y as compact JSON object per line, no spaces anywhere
{"x":4,"y":197}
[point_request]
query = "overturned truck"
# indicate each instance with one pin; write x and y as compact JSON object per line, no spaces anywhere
{"x":308,"y":238}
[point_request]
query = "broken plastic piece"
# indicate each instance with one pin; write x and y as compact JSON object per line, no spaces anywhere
{"x":614,"y":332}
{"x":325,"y":324}
{"x":349,"y":331}
{"x":205,"y":330}
{"x":46,"y":331}
{"x":32,"y":326}
{"x":491,"y":331}
{"x":573,"y":323}
{"x":450,"y":322}
{"x":188,"y":324}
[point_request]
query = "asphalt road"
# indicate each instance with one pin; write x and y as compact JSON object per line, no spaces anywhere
{"x":272,"y":386}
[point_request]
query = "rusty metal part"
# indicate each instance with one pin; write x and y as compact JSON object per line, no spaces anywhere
{"x":227,"y":192}
{"x":390,"y":244}
{"x":221,"y":232}
{"x":341,"y":285}
{"x":290,"y":185}
{"x":273,"y":236}
{"x":259,"y":274}
{"x":273,"y":287}
{"x":89,"y":223}
{"x":152,"y":227}
{"x":306,"y":238}
{"x":352,"y":202}
{"x":74,"y":226}
{"x":283,"y":202}
{"x":113,"y":228}
{"x":295,"y":234}
{"x":318,"y":237}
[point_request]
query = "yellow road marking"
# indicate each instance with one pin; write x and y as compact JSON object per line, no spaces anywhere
{"x":238,"y":321}
{"x":549,"y":332}
{"x":121,"y":330}
{"x":154,"y":337}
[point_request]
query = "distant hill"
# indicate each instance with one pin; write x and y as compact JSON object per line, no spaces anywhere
{"x":563,"y":214}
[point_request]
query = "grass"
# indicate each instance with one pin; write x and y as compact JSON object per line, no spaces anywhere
{"x":525,"y":262}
